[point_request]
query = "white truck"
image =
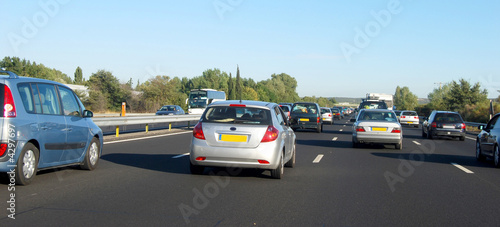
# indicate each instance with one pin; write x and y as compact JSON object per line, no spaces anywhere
{"x":387,"y":98}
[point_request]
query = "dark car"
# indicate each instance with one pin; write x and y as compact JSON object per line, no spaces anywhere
{"x":306,"y":115}
{"x":488,"y":140}
{"x":443,"y":123}
{"x":170,"y":110}
{"x":337,"y":113}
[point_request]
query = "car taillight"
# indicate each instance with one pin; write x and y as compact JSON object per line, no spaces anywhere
{"x":337,"y":114}
{"x":3,"y":148}
{"x":317,"y":119}
{"x":396,"y":130}
{"x":9,"y":109}
{"x":201,"y":158}
{"x":271,"y":134}
{"x":265,"y":162}
{"x":416,"y":117}
{"x":403,"y":117}
{"x":461,"y":125}
{"x":360,"y":129}
{"x":329,"y":115}
{"x":198,"y":132}
{"x":433,"y":125}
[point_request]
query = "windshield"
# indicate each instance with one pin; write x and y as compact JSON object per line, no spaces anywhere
{"x":237,"y":115}
{"x":168,"y":108}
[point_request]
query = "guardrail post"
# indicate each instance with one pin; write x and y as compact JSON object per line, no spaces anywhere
{"x":117,"y":131}
{"x":188,"y":124}
{"x":147,"y":128}
{"x":169,"y":126}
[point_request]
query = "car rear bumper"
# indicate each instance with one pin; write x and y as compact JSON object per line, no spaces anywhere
{"x":409,"y":122}
{"x":383,"y":139}
{"x":444,"y":132}
{"x":236,"y":157}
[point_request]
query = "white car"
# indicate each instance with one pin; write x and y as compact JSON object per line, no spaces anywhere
{"x":409,"y":118}
{"x":327,"y":115}
{"x":377,"y":126}
{"x":243,"y":134}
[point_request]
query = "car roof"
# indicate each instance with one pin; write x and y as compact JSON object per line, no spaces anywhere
{"x":377,"y":110}
{"x":244,"y":102}
{"x":24,"y":79}
{"x":445,"y":111}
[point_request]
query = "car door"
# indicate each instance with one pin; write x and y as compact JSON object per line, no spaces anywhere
{"x":77,"y":129}
{"x":488,"y":138}
{"x":52,"y":126}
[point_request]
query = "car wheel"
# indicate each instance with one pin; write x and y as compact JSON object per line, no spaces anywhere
{"x":462,"y":138}
{"x":496,"y":157}
{"x":318,"y":129}
{"x":429,"y":135}
{"x":479,"y":153}
{"x":423,"y":133}
{"x":291,"y":162}
{"x":92,"y":156}
{"x":278,"y":172}
{"x":195,"y":169}
{"x":27,"y":164}
{"x":399,"y":146}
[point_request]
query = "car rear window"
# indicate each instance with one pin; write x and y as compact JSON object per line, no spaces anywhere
{"x":304,"y":108}
{"x":237,"y":115}
{"x":372,"y":105}
{"x":377,"y":116}
{"x":324,"y":111}
{"x":448,"y":118}
{"x":410,"y":113}
{"x":335,"y":110}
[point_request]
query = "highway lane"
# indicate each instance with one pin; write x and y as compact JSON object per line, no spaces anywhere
{"x":147,"y":182}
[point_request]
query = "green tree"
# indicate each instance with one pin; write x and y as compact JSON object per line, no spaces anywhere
{"x":78,"y":76}
{"x":106,"y":92}
{"x":249,"y":94}
{"x":463,"y":93}
{"x":238,"y":87}
{"x":404,"y":99}
{"x":230,"y":91}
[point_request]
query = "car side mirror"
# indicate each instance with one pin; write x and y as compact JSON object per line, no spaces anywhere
{"x":88,"y":113}
{"x":353,"y":120}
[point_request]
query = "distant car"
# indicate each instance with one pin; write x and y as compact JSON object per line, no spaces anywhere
{"x":398,"y":113}
{"x":488,"y":140}
{"x":376,"y":126}
{"x":287,"y":109}
{"x":372,"y":105}
{"x":337,"y":113}
{"x":443,"y":123}
{"x":243,"y":134}
{"x":44,"y":125}
{"x":409,"y":118}
{"x":326,"y":114}
{"x":170,"y":110}
{"x":306,"y":115}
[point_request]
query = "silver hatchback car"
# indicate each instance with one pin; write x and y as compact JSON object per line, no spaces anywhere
{"x":243,"y":134}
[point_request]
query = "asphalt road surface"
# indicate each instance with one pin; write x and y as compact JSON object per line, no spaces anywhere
{"x":146,"y":181}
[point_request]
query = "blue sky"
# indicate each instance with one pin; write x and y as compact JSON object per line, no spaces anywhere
{"x":332,"y":48}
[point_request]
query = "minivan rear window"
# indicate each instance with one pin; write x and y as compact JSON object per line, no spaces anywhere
{"x":304,"y":108}
{"x":237,"y":115}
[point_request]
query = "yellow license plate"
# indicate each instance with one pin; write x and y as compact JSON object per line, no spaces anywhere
{"x":232,"y":138}
{"x":379,"y":129}
{"x":324,"y":119}
{"x":410,"y":122}
{"x":304,"y":119}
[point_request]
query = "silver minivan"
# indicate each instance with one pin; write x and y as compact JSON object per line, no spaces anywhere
{"x":243,"y":134}
{"x":44,"y":125}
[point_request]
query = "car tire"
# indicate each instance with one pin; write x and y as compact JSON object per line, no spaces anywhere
{"x":429,"y":135}
{"x":278,"y":172}
{"x":496,"y":157}
{"x":27,"y":164}
{"x":291,"y":162}
{"x":195,"y":169}
{"x":479,"y":152}
{"x":399,"y":146}
{"x":462,"y":138}
{"x":424,"y":135}
{"x":318,"y":129}
{"x":92,"y":155}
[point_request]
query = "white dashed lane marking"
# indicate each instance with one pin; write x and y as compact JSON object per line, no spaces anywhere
{"x":318,"y":158}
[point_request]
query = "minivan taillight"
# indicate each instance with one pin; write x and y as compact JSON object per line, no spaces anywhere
{"x":271,"y":134}
{"x":198,"y":132}
{"x":9,"y":108}
{"x":3,"y":148}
